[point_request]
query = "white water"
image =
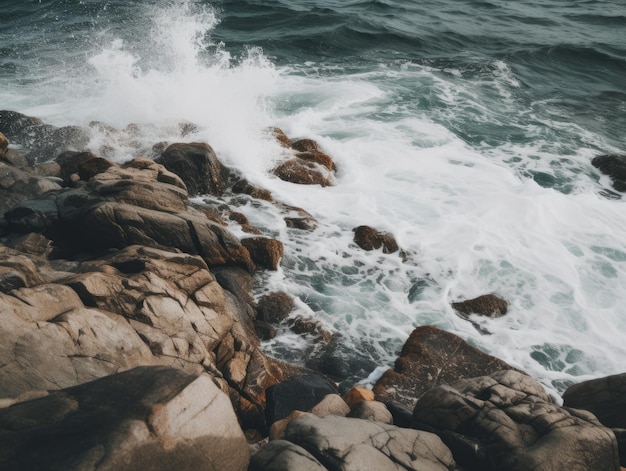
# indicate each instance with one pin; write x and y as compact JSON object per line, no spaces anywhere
{"x":469,"y":222}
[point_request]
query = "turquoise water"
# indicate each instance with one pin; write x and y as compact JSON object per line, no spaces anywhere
{"x":466,"y":128}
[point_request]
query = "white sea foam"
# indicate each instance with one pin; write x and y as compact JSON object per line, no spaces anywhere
{"x":469,"y":217}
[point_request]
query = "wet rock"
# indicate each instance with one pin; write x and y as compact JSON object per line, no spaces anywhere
{"x":93,"y":167}
{"x":236,"y":280}
{"x":45,"y":142}
{"x":307,"y":326}
{"x":281,"y":455}
{"x":280,"y":136}
{"x":305,"y":145}
{"x":69,"y":161}
{"x":301,"y":393}
{"x":320,"y":158}
{"x":265,"y":252}
{"x":353,"y":444}
{"x":247,"y":188}
{"x":17,"y":186}
{"x":13,"y":124}
{"x":145,"y":418}
{"x":197,"y":165}
{"x":274,"y":307}
{"x":613,"y":165}
{"x":298,"y":218}
{"x":4,"y":145}
{"x":303,"y":172}
{"x":507,"y":421}
{"x":431,"y":357}
{"x":369,"y":238}
{"x":264,"y":330}
{"x":488,"y":305}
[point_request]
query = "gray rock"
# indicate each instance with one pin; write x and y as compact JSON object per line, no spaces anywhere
{"x":281,"y":455}
{"x":507,"y":421}
{"x":145,"y":418}
{"x":371,"y":410}
{"x":346,"y":444}
{"x":332,"y":404}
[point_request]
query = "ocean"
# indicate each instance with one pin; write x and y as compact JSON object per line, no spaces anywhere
{"x":465,"y":128}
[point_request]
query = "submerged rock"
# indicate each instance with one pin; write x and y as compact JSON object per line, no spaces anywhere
{"x":507,"y":421}
{"x":431,"y":357}
{"x":146,"y":418}
{"x":304,"y":172}
{"x":613,"y":165}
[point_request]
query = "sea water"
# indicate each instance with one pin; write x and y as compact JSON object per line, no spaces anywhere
{"x":465,"y":128}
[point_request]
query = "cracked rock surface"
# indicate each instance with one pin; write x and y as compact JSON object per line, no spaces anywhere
{"x":507,"y":421}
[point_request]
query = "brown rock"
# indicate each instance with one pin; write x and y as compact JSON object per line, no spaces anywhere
{"x":4,"y":145}
{"x":264,"y":251}
{"x":92,"y":167}
{"x":280,"y":136}
{"x":304,"y":173}
{"x":277,"y":430}
{"x":488,"y":305}
{"x":274,"y":307}
{"x":70,"y":162}
{"x":358,"y":394}
{"x":507,"y":421}
{"x":298,"y":218}
{"x":369,"y":238}
{"x":302,"y":325}
{"x":247,"y":188}
{"x":332,"y":404}
{"x":146,"y":418}
{"x":197,"y":165}
{"x":371,"y":410}
{"x":431,"y":357}
{"x":324,"y":160}
{"x":306,"y":145}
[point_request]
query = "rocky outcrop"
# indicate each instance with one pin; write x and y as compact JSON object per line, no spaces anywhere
{"x":146,"y":418}
{"x":613,"y":165}
{"x":281,"y":455}
{"x":507,"y":421}
{"x":274,"y":307}
{"x":304,"y":172}
{"x":606,"y":399}
{"x":198,"y":166}
{"x":17,"y":186}
{"x":265,"y":252}
{"x":431,"y":357}
{"x":488,"y":305}
{"x":339,"y":443}
{"x":369,"y":238}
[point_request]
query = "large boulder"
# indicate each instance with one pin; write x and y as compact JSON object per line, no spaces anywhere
{"x":281,"y":455}
{"x":507,"y":421}
{"x":17,"y":186}
{"x":197,"y":165}
{"x":606,"y":399}
{"x":349,"y":444}
{"x":265,"y":252}
{"x":274,"y":307}
{"x":613,"y":165}
{"x":431,"y":357}
{"x":301,"y":393}
{"x":146,"y":418}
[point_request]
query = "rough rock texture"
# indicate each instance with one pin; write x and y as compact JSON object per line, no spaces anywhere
{"x":301,"y":393}
{"x":274,"y":307}
{"x":332,"y":404}
{"x":304,"y":172}
{"x":604,"y":397}
{"x":347,"y":444}
{"x":320,"y":158}
{"x":488,"y":305}
{"x":197,"y":165}
{"x":146,"y":418}
{"x":4,"y":145}
{"x":507,"y":421}
{"x":247,"y":188}
{"x":17,"y":186}
{"x":431,"y":357}
{"x":281,"y":455}
{"x":13,"y":124}
{"x":265,"y":252}
{"x":69,"y":162}
{"x":305,"y":145}
{"x":141,"y":204}
{"x":613,"y":165}
{"x":369,"y":238}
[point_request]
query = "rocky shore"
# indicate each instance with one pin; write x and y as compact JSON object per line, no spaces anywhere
{"x":129,"y":337}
